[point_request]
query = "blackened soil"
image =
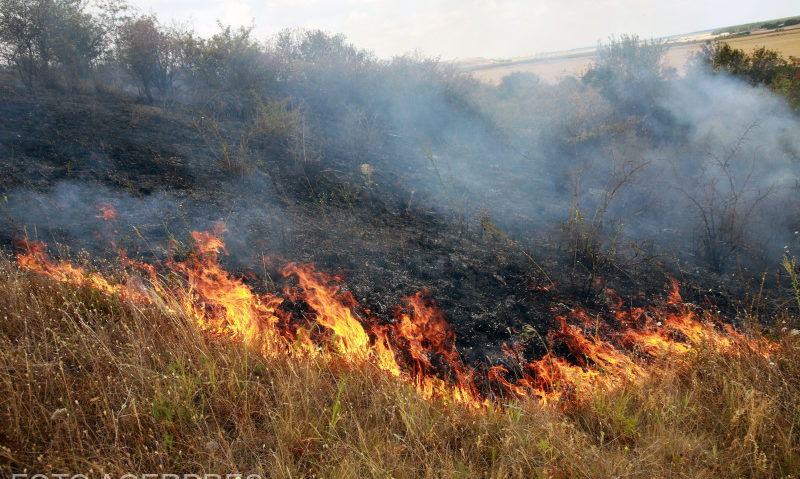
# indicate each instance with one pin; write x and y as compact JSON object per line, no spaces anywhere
{"x":162,"y":169}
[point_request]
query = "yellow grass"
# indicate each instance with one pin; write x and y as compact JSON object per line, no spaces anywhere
{"x":93,"y":385}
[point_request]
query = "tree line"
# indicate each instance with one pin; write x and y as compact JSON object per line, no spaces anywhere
{"x":80,"y":42}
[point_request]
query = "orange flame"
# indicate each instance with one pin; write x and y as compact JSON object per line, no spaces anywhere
{"x":584,"y":354}
{"x":107,"y":212}
{"x":34,"y":258}
{"x":333,"y":310}
{"x":223,"y":304}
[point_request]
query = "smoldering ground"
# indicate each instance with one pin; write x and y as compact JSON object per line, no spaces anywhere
{"x":403,"y":175}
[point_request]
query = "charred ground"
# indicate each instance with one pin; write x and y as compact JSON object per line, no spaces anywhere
{"x":510,"y":205}
{"x":68,"y":152}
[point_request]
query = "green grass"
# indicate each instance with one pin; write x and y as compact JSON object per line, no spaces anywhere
{"x":92,"y":383}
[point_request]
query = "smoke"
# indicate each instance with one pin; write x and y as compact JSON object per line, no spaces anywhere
{"x":739,"y":158}
{"x":403,"y":175}
{"x":387,"y":170}
{"x":70,"y":214}
{"x":703,"y":164}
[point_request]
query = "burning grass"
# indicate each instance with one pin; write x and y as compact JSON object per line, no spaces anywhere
{"x":117,"y":377}
{"x":317,"y":318}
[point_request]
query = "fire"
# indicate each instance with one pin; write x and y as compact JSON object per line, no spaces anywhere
{"x":333,"y":310}
{"x":422,"y":332}
{"x":107,"y":212}
{"x":675,"y":328}
{"x":318,"y":317}
{"x":33,"y":256}
{"x":222,"y":304}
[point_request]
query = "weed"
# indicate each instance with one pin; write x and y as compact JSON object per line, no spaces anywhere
{"x":490,"y":227}
{"x":790,"y":265}
{"x":273,"y":119}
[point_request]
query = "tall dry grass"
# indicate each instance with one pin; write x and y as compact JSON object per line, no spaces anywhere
{"x":93,"y":385}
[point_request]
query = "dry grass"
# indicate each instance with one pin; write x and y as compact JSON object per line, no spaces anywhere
{"x":89,"y":383}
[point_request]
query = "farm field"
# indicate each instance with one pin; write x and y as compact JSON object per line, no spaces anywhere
{"x":555,"y":66}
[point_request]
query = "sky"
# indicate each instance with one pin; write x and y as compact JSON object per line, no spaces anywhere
{"x":451,"y":29}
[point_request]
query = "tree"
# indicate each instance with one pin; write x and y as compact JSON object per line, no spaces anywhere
{"x":630,"y":74}
{"x":151,"y":54}
{"x":18,"y":33}
{"x":230,"y":60}
{"x":230,"y":71}
{"x":77,"y":40}
{"x":760,"y":67}
{"x":40,"y":35}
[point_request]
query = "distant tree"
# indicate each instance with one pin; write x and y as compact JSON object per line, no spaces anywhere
{"x":329,"y":72}
{"x":151,"y":54}
{"x":230,"y":60}
{"x":518,"y":84}
{"x":19,"y":34}
{"x":630,"y":74}
{"x":319,"y":47}
{"x":229,"y":71}
{"x":760,"y":67}
{"x":722,"y":56}
{"x":78,"y":38}
{"x":38,"y":36}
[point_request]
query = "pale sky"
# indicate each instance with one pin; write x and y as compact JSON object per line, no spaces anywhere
{"x":471,"y":28}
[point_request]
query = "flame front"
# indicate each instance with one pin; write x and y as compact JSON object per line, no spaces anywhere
{"x":223,"y":304}
{"x":333,"y":310}
{"x":34,"y":258}
{"x":319,"y":318}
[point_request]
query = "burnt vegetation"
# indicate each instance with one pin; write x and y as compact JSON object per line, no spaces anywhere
{"x":508,"y":204}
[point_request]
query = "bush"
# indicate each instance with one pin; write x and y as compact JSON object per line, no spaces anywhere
{"x":324,"y":69}
{"x":39,"y":37}
{"x":759,"y":67}
{"x":228,"y":69}
{"x":630,"y":74}
{"x":151,"y":54}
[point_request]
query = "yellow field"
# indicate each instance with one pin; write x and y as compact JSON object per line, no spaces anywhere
{"x":786,"y":42}
{"x":552,"y":68}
